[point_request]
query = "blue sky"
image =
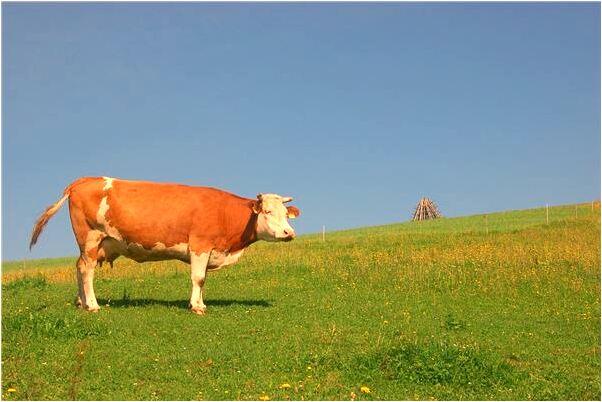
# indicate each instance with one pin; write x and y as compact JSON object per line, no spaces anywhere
{"x":355,"y":110}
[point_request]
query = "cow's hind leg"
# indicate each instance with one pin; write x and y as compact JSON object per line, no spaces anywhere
{"x":88,"y":240}
{"x":85,"y":280}
{"x":198,"y":271}
{"x":86,"y":264}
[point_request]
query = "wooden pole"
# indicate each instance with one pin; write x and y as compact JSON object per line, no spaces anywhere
{"x":575,"y":211}
{"x":323,"y":232}
{"x":547,"y":215}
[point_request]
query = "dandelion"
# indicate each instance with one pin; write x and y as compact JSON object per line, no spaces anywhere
{"x":365,"y":390}
{"x":285,"y":386}
{"x":11,"y":390}
{"x":264,"y":398}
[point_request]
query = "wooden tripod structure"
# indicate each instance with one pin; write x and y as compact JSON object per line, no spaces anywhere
{"x":426,"y":209}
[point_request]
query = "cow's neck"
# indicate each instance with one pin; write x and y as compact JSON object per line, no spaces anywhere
{"x":246,"y":234}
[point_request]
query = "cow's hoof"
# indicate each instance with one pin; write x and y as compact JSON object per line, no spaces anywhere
{"x":199,"y":310}
{"x":93,"y":308}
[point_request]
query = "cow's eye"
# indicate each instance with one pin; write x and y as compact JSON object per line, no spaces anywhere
{"x":268,"y":212}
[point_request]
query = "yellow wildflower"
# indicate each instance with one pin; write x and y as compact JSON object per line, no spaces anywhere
{"x":11,"y":390}
{"x":285,"y":386}
{"x":365,"y":390}
{"x":264,"y":398}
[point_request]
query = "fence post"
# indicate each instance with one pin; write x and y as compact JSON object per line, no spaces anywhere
{"x":323,"y":232}
{"x":547,"y":215}
{"x":486,"y":225}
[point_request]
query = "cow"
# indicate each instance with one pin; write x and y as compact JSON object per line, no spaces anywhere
{"x":145,"y":221}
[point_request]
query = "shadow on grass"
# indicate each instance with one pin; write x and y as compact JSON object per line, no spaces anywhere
{"x":184,"y":304}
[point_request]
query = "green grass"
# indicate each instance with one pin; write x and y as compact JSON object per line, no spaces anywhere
{"x":425,"y":310}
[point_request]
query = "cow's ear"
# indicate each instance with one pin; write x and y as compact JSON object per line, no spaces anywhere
{"x":257,"y":203}
{"x":256,"y":206}
{"x":292,"y":212}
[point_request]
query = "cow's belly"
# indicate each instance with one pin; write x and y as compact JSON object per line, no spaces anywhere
{"x":111,"y":248}
{"x":219,"y":259}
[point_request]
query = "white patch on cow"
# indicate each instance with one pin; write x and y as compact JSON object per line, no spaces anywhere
{"x":101,"y":218}
{"x":181,"y":248}
{"x":102,"y":211}
{"x":160,"y":250}
{"x":219,"y":259}
{"x":108,"y":183}
{"x":93,"y":239}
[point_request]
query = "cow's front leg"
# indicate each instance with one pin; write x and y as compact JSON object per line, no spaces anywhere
{"x":198,"y":271}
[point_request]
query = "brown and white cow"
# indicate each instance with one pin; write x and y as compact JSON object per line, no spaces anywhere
{"x":206,"y":227}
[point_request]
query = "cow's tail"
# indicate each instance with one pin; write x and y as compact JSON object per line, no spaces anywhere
{"x":50,"y":211}
{"x":45,"y":217}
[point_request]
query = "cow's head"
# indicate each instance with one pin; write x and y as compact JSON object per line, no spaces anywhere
{"x":272,"y":217}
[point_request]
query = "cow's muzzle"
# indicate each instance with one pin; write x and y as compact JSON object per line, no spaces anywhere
{"x":289,"y":235}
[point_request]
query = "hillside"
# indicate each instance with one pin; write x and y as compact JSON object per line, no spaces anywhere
{"x":446,"y":309}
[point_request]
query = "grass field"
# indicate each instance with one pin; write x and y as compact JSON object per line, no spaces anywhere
{"x":446,"y":309}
